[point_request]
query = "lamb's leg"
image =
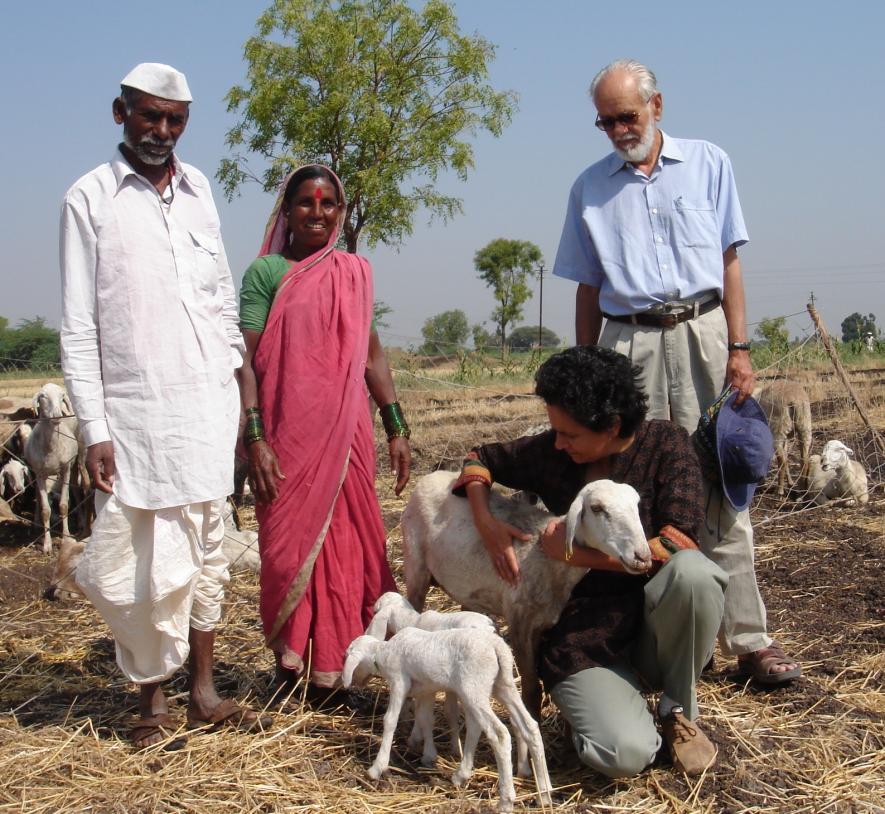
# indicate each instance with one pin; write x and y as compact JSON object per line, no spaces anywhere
{"x":472,"y":729}
{"x":44,"y":511}
{"x":528,"y":733}
{"x":64,"y":499}
{"x":453,"y":719}
{"x":398,"y":691}
{"x":481,"y":711}
{"x":424,"y":724}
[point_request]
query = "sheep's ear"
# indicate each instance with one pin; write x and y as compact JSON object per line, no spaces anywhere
{"x":347,"y":673}
{"x":849,"y":452}
{"x":377,"y":628}
{"x":573,"y":518}
{"x":36,"y":403}
{"x":66,"y":405}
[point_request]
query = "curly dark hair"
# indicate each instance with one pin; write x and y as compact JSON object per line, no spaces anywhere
{"x":595,"y":386}
{"x":308,"y":173}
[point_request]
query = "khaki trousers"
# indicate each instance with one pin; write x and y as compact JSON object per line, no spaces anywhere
{"x":683,"y":372}
{"x":613,"y":730}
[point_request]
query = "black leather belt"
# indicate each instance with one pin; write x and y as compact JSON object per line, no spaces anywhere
{"x":680,"y":313}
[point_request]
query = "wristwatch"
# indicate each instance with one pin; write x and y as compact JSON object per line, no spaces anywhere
{"x":739,"y":346}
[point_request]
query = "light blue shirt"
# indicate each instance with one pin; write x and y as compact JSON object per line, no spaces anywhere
{"x":646,"y":240}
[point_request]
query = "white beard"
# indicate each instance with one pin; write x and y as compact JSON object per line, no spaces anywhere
{"x":145,"y":156}
{"x":640,"y":151}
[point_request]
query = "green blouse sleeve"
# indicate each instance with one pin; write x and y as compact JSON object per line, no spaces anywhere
{"x":259,"y":289}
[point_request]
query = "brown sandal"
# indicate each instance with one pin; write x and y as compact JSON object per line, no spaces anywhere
{"x":160,"y":724}
{"x":230,"y":713}
{"x":757,"y":665}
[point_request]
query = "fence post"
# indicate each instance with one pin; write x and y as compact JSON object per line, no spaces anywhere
{"x":834,"y":357}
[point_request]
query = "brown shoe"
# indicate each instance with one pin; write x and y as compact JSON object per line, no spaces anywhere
{"x":690,"y":749}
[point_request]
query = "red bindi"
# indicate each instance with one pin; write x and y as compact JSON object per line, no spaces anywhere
{"x":318,"y":194}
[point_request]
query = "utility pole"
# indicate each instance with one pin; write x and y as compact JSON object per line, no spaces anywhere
{"x":541,"y":306}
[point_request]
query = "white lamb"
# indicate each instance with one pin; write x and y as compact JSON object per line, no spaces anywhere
{"x":14,"y":478}
{"x":440,"y":542}
{"x":393,"y":613}
{"x":818,"y":482}
{"x":51,"y":451}
{"x":850,"y":479}
{"x":474,"y":665}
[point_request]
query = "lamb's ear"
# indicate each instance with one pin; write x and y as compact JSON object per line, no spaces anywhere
{"x":36,"y":403}
{"x":350,"y":664}
{"x":377,"y":628}
{"x":849,"y":452}
{"x":573,"y":518}
{"x":66,"y":405}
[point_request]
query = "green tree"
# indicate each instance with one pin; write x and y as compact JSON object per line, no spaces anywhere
{"x":506,"y":266}
{"x":380,"y":310}
{"x":444,"y":333}
{"x":31,"y":343}
{"x":773,"y":331}
{"x":526,"y":337}
{"x":383,"y":94}
{"x":482,"y":339}
{"x":854,"y":326}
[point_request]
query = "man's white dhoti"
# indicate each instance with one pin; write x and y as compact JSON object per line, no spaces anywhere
{"x":153,"y":575}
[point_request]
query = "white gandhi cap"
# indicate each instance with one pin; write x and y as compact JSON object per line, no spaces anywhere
{"x":158,"y":80}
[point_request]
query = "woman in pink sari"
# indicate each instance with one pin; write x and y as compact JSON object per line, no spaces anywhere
{"x":311,"y":352}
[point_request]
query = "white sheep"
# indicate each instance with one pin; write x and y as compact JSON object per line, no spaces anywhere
{"x":818,"y":482}
{"x":850,"y":480}
{"x":441,"y":543}
{"x":14,"y":478}
{"x":788,"y":410}
{"x":393,"y":612}
{"x":51,"y":451}
{"x":475,"y":666}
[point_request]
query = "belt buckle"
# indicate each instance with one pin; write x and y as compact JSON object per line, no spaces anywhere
{"x":669,"y":320}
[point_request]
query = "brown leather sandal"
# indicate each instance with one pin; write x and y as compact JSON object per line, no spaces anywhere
{"x":160,"y":724}
{"x":230,"y":713}
{"x":757,"y":665}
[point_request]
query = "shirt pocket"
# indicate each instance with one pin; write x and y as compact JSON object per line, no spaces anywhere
{"x":694,"y":223}
{"x":205,"y":261}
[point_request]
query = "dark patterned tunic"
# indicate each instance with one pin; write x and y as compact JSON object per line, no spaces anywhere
{"x":602,"y":618}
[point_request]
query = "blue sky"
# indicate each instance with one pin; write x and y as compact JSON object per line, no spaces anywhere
{"x":791,"y":90}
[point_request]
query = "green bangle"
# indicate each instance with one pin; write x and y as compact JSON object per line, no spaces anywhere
{"x":394,"y":424}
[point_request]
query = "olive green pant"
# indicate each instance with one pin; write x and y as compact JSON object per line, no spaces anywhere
{"x":613,"y":729}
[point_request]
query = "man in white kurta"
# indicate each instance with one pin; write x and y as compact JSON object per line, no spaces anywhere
{"x":150,"y":342}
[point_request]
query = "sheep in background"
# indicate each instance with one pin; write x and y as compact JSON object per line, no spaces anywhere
{"x":788,"y":411}
{"x":850,"y":478}
{"x":441,"y":543}
{"x":818,"y":482}
{"x":474,"y":665}
{"x":51,"y":451}
{"x":14,"y":479}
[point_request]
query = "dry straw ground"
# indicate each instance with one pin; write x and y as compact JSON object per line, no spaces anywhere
{"x":818,"y":746}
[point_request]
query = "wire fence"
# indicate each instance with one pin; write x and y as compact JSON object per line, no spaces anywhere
{"x":463,"y":397}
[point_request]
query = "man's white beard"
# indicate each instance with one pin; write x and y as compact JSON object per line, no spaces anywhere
{"x":145,"y":156}
{"x":640,"y":151}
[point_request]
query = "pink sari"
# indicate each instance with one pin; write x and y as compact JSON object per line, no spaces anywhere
{"x":322,"y":541}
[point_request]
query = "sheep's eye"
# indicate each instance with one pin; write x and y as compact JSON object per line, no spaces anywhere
{"x":596,"y":508}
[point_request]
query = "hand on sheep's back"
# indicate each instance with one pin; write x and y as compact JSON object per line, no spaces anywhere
{"x":498,"y":536}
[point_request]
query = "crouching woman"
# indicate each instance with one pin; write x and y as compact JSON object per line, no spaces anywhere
{"x":619,"y":634}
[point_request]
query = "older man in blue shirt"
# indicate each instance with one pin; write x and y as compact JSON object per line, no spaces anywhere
{"x":651,"y":237}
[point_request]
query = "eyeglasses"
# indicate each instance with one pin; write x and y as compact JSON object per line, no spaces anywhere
{"x":608,"y":122}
